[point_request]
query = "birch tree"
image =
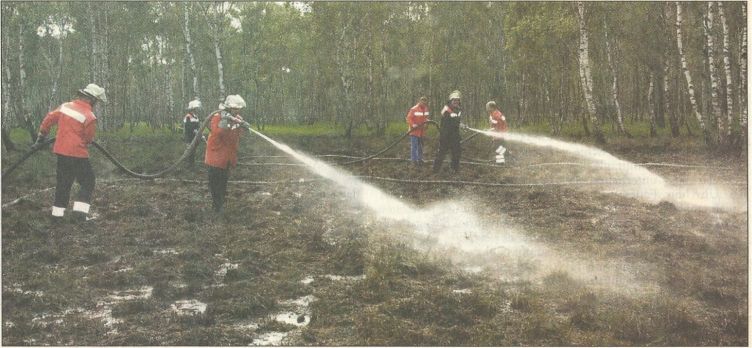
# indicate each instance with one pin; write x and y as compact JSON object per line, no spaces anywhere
{"x":585,"y":74}
{"x":687,"y":75}
{"x":189,"y":48}
{"x":214,"y":15}
{"x":743,"y":77}
{"x":614,"y":83}
{"x":21,"y":107}
{"x":651,"y":106}
{"x":727,"y":69}
{"x":708,"y":24}
{"x":5,"y":123}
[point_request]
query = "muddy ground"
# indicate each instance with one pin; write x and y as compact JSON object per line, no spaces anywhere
{"x":300,"y":263}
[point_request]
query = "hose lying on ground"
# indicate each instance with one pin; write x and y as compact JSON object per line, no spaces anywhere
{"x":390,"y":145}
{"x":186,"y":153}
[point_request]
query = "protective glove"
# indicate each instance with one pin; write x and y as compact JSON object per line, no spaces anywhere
{"x":463,"y":126}
{"x":40,"y":142}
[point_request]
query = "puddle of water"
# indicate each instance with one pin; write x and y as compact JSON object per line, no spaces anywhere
{"x":269,"y":339}
{"x":18,"y":290}
{"x":298,"y":194}
{"x":335,"y":277}
{"x":167,"y":251}
{"x":9,"y":324}
{"x":223,"y":268}
{"x":292,"y":318}
{"x":133,"y":294}
{"x":178,"y":285}
{"x":251,"y":326}
{"x":307,"y":280}
{"x":188,"y":307}
{"x":103,"y":313}
{"x":463,"y":291}
{"x":304,"y":301}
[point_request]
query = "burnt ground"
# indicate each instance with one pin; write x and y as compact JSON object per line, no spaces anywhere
{"x":299,"y":263}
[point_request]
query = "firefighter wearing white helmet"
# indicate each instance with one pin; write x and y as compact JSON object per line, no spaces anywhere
{"x":449,"y":133}
{"x":76,"y":127}
{"x":191,"y":124}
{"x":191,"y":121}
{"x":222,"y":147}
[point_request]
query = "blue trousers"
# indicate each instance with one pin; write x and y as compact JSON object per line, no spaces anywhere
{"x":416,"y":148}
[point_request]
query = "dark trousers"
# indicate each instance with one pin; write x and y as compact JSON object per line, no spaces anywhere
{"x":70,"y":169}
{"x":448,"y":144}
{"x":218,"y":186}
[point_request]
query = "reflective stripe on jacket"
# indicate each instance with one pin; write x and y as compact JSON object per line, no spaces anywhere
{"x":76,"y":127}
{"x":222,"y":145}
{"x":417,"y":115}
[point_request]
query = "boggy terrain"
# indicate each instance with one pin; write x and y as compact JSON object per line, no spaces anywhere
{"x":301,"y":262}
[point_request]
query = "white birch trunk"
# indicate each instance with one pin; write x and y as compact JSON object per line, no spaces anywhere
{"x":651,"y":106}
{"x":685,"y":69}
{"x":188,"y":49}
{"x":93,"y":67}
{"x":710,"y":41}
{"x":585,"y":75}
{"x":743,"y":76}
{"x":216,"y":30}
{"x":615,"y":83}
{"x":56,"y":81}
{"x":727,"y":68}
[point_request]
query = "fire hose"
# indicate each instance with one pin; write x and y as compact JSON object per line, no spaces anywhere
{"x":115,"y":161}
{"x":390,"y":146}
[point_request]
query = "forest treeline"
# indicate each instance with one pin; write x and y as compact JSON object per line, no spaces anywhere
{"x":674,"y":65}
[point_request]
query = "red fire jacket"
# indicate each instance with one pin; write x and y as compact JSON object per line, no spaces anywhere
{"x":76,"y":126}
{"x":222,"y":145}
{"x":498,"y":121}
{"x":417,"y":115}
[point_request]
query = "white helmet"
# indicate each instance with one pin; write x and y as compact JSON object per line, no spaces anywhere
{"x":490,"y":104}
{"x":234,"y":101}
{"x":94,"y":91}
{"x":455,"y":95}
{"x":194,"y":104}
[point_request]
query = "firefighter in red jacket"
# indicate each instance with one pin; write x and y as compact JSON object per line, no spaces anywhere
{"x":76,"y":126}
{"x":498,"y":124}
{"x":416,"y":119}
{"x":222,"y":147}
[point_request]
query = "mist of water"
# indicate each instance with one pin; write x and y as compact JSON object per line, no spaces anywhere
{"x":453,"y":229}
{"x":648,"y":186}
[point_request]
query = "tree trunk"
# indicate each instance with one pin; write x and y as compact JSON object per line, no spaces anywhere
{"x":743,"y":78}
{"x":585,"y":75}
{"x":21,"y":97}
{"x":652,"y":105}
{"x":188,"y":49}
{"x":673,"y":122}
{"x":5,"y":123}
{"x":727,"y":68}
{"x":710,"y":42}
{"x":216,"y":33}
{"x":687,"y":75}
{"x":614,"y":84}
{"x":56,"y":81}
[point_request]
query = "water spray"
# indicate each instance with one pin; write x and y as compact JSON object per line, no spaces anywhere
{"x":649,"y":186}
{"x":453,"y":230}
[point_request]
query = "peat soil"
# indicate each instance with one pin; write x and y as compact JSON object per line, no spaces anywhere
{"x":296,"y":261}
